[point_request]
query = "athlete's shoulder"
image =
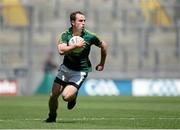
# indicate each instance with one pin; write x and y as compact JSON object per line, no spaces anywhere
{"x":94,"y":39}
{"x":87,"y":32}
{"x":65,"y":32}
{"x":62,"y":37}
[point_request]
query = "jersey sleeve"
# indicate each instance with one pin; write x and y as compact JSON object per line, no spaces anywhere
{"x":96,"y":41}
{"x":62,"y":38}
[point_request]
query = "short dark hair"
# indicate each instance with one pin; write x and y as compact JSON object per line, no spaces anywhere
{"x":73,"y":15}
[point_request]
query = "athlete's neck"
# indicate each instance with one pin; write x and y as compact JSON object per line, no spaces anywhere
{"x":76,"y":32}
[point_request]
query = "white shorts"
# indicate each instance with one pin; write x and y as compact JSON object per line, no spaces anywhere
{"x":67,"y":76}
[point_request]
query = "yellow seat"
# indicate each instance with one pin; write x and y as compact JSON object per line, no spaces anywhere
{"x":155,"y":12}
{"x":14,"y":13}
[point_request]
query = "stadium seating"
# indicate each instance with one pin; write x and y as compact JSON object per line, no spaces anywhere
{"x":123,"y":24}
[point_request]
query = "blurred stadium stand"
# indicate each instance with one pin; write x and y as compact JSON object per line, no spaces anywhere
{"x":143,"y":37}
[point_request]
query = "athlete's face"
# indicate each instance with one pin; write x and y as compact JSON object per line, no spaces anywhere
{"x":79,"y":23}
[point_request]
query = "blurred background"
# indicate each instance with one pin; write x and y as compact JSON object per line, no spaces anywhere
{"x":143,"y":38}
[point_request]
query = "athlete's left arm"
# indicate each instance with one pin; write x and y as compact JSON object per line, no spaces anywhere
{"x":103,"y":47}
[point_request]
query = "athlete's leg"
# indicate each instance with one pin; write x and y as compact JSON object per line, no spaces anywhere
{"x":59,"y":84}
{"x":74,"y":83}
{"x":53,"y":100}
{"x":70,"y":95}
{"x":70,"y":92}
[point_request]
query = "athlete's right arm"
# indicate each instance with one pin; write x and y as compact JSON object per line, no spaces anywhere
{"x":63,"y":48}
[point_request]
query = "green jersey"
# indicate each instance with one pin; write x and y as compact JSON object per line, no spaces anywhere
{"x":79,"y":61}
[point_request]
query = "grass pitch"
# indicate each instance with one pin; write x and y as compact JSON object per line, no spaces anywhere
{"x":28,"y":112}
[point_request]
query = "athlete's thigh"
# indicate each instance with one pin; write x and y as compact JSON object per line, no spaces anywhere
{"x":56,"y":89}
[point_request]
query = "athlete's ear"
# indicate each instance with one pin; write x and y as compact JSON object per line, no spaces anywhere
{"x":73,"y":22}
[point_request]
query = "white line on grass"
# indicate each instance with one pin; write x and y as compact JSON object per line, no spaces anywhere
{"x":97,"y":119}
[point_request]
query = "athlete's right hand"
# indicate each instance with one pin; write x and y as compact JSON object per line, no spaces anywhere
{"x":80,"y":43}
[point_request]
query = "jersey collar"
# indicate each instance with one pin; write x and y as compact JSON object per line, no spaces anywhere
{"x":82,"y":34}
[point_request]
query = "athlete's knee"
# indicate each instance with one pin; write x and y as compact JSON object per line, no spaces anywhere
{"x":66,"y":97}
{"x":69,"y":93}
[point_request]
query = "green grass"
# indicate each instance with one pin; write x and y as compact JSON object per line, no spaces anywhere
{"x":28,"y":112}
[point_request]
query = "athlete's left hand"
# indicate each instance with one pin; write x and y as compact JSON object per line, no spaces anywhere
{"x":99,"y":67}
